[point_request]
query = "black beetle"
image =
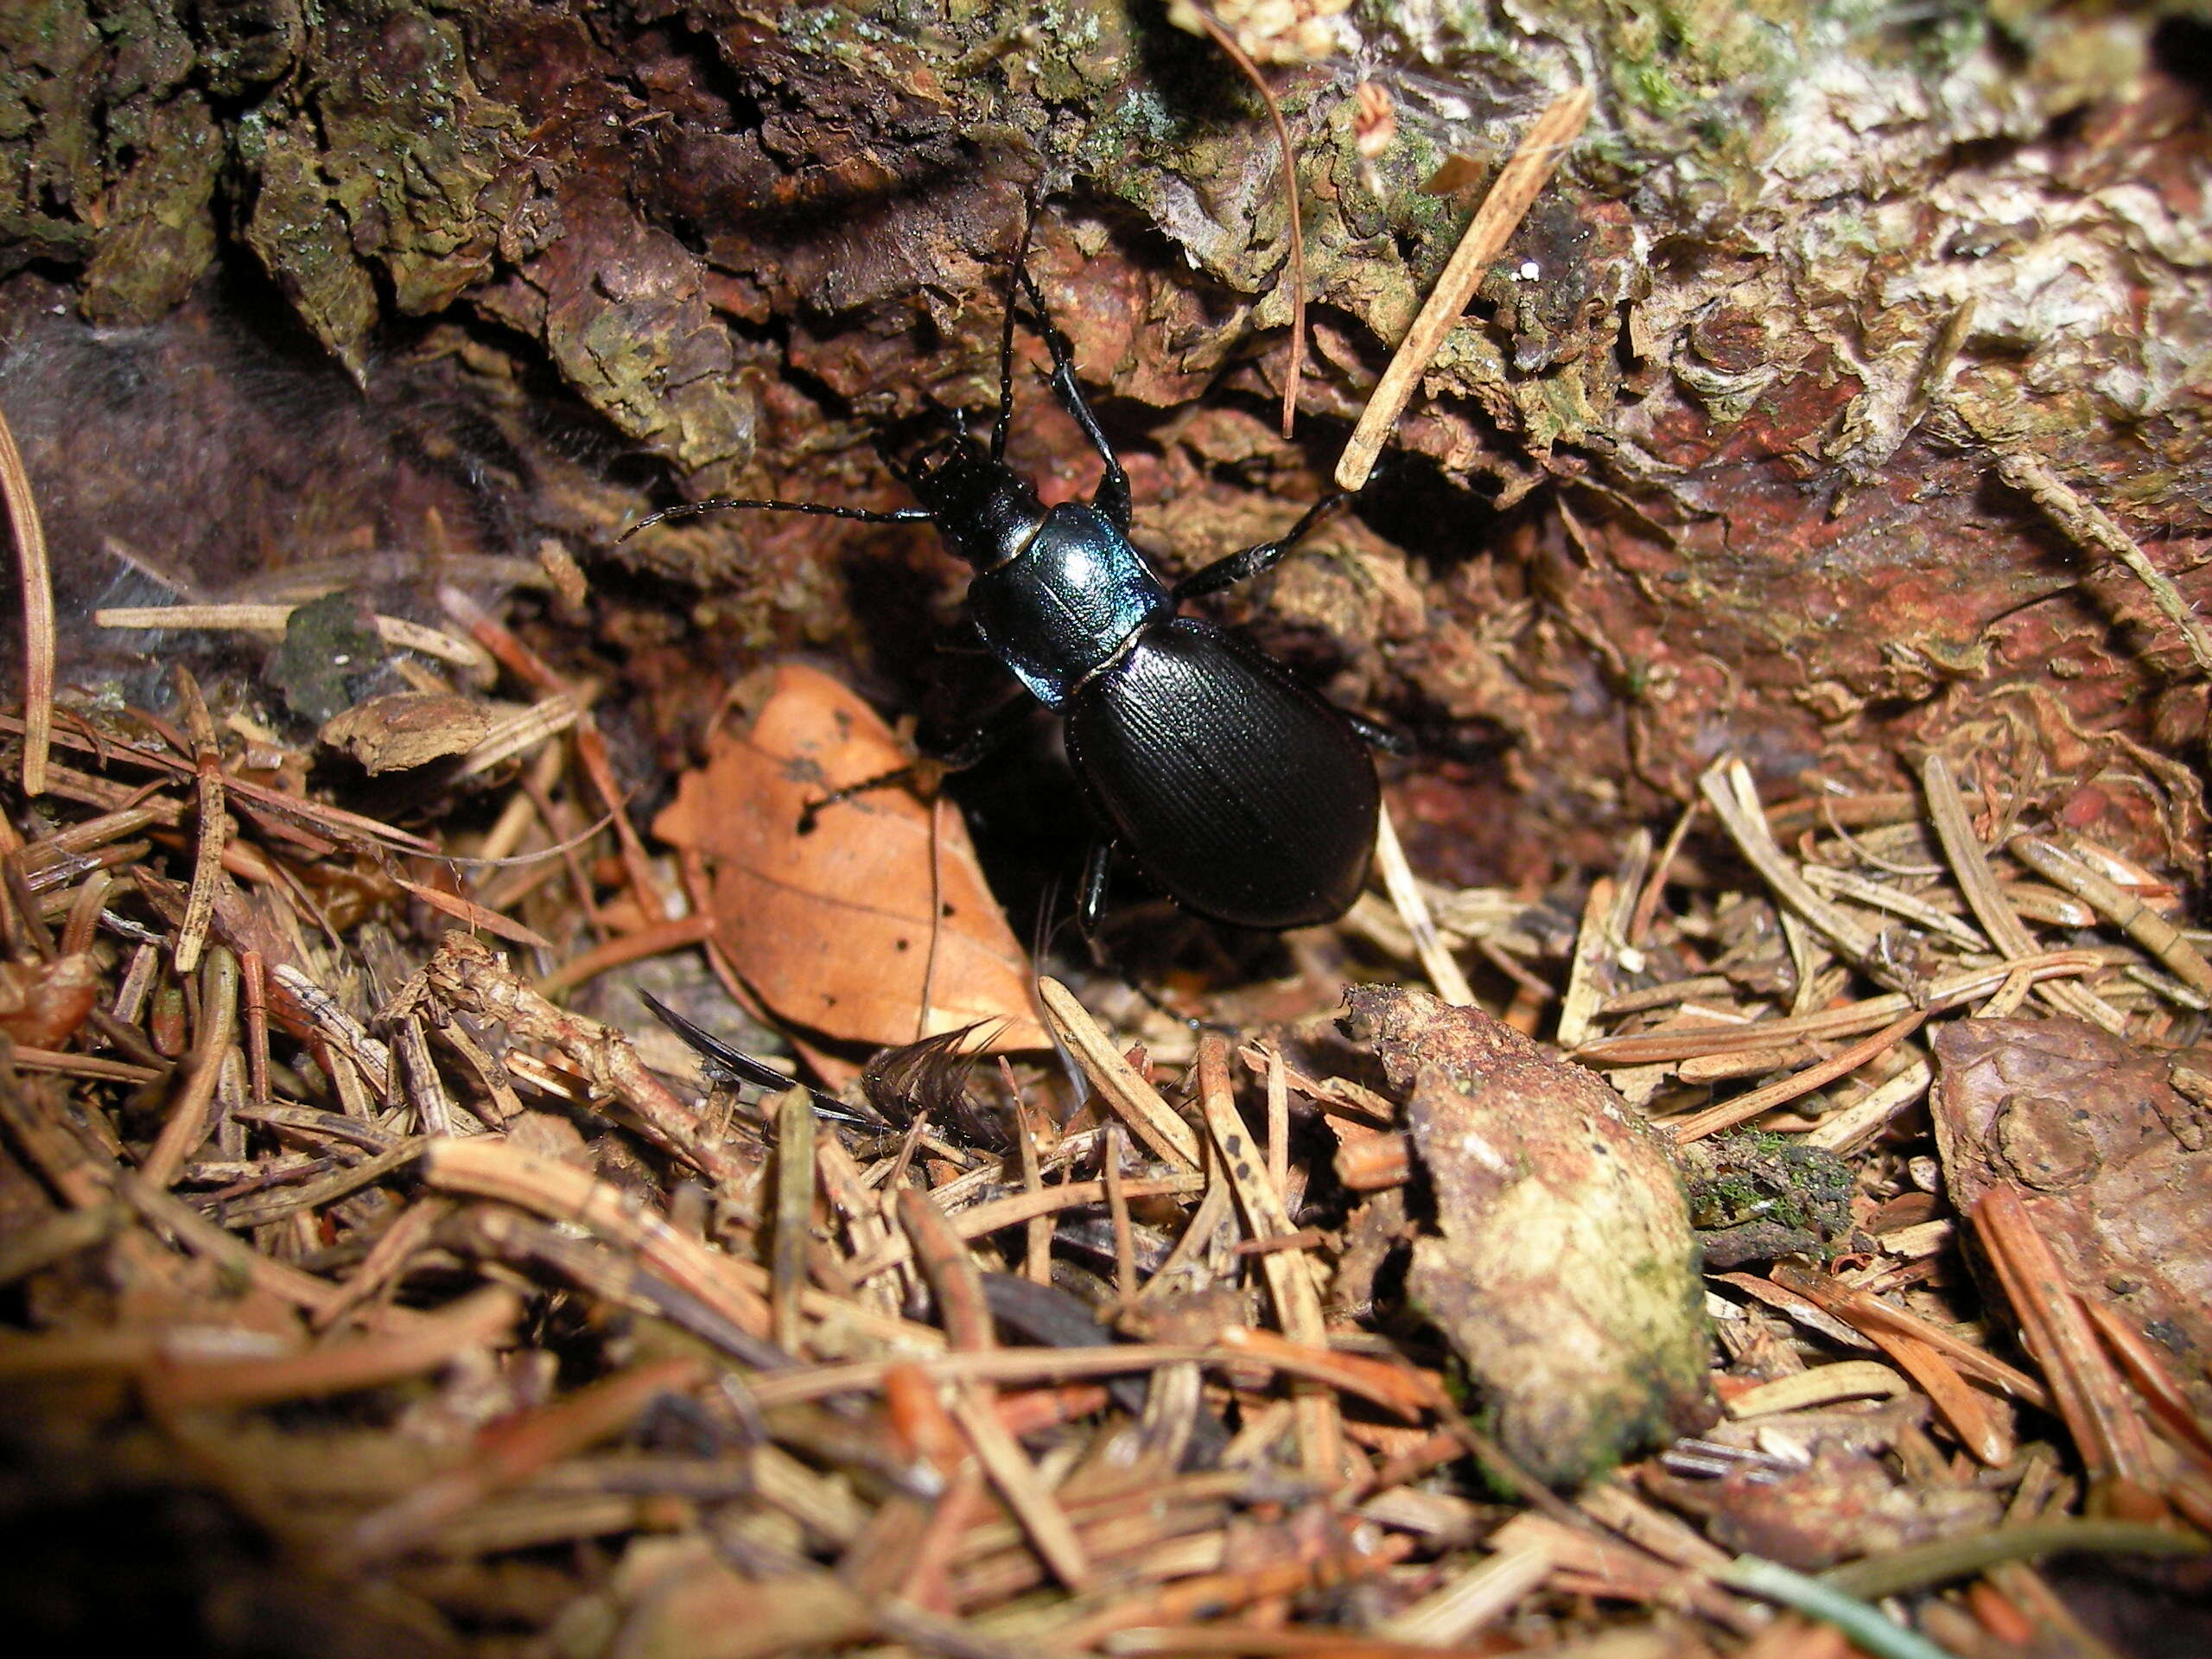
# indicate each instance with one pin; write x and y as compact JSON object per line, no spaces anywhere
{"x":1239,"y":792}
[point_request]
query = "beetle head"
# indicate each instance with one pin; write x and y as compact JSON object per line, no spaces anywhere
{"x":986,"y":512}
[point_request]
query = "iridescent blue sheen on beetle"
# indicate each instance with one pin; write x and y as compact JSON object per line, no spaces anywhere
{"x":1067,"y":604}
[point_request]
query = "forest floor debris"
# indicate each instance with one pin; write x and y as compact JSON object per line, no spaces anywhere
{"x":521,"y":1341}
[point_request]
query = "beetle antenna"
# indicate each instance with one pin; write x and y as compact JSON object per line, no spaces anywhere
{"x":1004,"y":423}
{"x":726,"y":503}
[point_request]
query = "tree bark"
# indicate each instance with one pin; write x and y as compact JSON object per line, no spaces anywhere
{"x":1718,"y":462}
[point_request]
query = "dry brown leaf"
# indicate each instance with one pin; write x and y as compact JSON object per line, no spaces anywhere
{"x":833,"y":928}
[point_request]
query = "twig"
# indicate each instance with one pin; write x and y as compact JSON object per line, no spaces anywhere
{"x":2084,"y":1385}
{"x":1278,"y":1122}
{"x":1197,"y":1233}
{"x":654,"y":940}
{"x":483,"y":1167}
{"x":520,"y":733}
{"x":333,"y":821}
{"x":472,"y":914}
{"x":186,"y":1126}
{"x":1666,"y":995}
{"x":1881,"y":895}
{"x":1137,"y":1101}
{"x":1293,"y":1642}
{"x":208,"y":859}
{"x":499,"y":1103}
{"x":479,"y":1321}
{"x":1010,"y":1471}
{"x":1727,"y":786}
{"x":1615,"y":1504}
{"x":1923,"y":1566}
{"x":1868,"y":1314}
{"x":1449,"y":1616}
{"x":418,"y":1076}
{"x":1398,"y":882}
{"x":2134,"y":918}
{"x":1824,"y":1385}
{"x":465,"y":973}
{"x":1219,"y":1592}
{"x":793,"y":1114}
{"x":260,"y":1212}
{"x":1384,"y":1385}
{"x":169,"y":1214}
{"x":965,"y":1314}
{"x":1016,"y":1208}
{"x":954,"y":1279}
{"x":2147,"y":1369}
{"x":1651,"y":1047}
{"x":510,"y":1453}
{"x":1655,"y":885}
{"x":1578,"y":1007}
{"x":1595,"y":1561}
{"x":387,"y":1258}
{"x":83,"y":1065}
{"x":37,"y":588}
{"x":348,"y":1046}
{"x":1117,"y":1211}
{"x":620,"y":1278}
{"x":1037,"y":1252}
{"x":1290,"y":1280}
{"x":1857,"y":1123}
{"x":591,"y":747}
{"x":31,"y":1249}
{"x":274,"y":619}
{"x":1518,"y":184}
{"x":254,"y":977}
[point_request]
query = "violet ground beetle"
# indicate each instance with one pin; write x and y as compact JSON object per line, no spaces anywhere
{"x":1237,"y":790}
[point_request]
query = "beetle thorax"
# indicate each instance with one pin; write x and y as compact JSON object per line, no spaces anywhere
{"x":1068,"y":604}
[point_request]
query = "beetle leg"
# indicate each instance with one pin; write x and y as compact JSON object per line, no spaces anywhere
{"x":1376,"y":735}
{"x":1090,"y":920}
{"x":812,"y":811}
{"x":1111,"y":498}
{"x":1003,"y":722}
{"x":1004,"y":423}
{"x":1240,"y":567}
{"x":1090,"y":903}
{"x":994,"y":731}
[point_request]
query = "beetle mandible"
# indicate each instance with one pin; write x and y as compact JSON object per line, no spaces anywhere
{"x":1235,"y":788}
